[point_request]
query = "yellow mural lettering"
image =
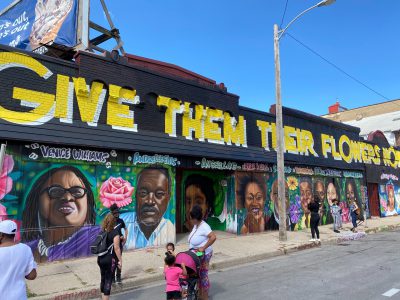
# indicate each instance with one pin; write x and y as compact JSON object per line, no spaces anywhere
{"x":119,"y":115}
{"x":300,"y":142}
{"x":308,"y":143}
{"x":173,"y":107}
{"x":397,"y":159}
{"x":64,"y":99}
{"x":235,"y":131}
{"x":388,"y":154}
{"x":43,"y":111}
{"x":193,"y":123}
{"x":212,"y":129}
{"x":356,"y":151}
{"x":42,"y":104}
{"x":344,"y":140}
{"x":377,"y":159}
{"x":325,"y":145}
{"x":290,"y":140}
{"x":90,"y":100}
{"x":335,"y":154}
{"x":267,"y":128}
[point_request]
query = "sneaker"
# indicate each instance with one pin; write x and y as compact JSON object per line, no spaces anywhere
{"x":337,"y":231}
{"x":318,"y":240}
{"x":118,"y":280}
{"x":312,"y":240}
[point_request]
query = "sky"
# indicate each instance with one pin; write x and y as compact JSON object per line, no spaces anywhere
{"x":231,"y":41}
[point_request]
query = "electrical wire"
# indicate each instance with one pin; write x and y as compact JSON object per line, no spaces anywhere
{"x":336,"y":67}
{"x":284,"y":13}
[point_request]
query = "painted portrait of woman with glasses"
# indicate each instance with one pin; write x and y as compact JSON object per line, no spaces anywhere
{"x":58,"y":206}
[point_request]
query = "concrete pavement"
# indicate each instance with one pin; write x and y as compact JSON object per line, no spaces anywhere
{"x":79,"y":279}
{"x":365,"y":269}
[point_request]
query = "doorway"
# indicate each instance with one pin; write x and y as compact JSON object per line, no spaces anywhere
{"x":373,"y":199}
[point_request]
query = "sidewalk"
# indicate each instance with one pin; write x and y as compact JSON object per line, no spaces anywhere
{"x":80,"y":279}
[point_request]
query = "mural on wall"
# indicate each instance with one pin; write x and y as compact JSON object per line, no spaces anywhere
{"x":389,"y":196}
{"x":258,"y":206}
{"x":151,"y":219}
{"x":210,"y":191}
{"x":59,"y":197}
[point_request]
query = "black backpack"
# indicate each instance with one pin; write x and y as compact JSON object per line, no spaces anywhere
{"x":99,"y":246}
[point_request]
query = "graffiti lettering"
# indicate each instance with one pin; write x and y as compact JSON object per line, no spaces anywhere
{"x":389,"y":177}
{"x":256,"y":167}
{"x":88,"y":155}
{"x":218,"y":165}
{"x":52,"y":152}
{"x":154,"y":159}
{"x":352,"y":174}
{"x":303,"y":171}
{"x":329,"y":172}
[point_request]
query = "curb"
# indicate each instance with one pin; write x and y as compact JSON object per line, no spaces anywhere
{"x":132,"y":283}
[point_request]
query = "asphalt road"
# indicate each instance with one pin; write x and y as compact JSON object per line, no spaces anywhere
{"x":363,"y":269}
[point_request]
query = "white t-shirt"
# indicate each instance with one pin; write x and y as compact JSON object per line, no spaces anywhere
{"x":199,"y":236}
{"x":15,"y":263}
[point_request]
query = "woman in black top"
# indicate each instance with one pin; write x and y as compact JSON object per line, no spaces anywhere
{"x":313,"y":207}
{"x":107,"y":261}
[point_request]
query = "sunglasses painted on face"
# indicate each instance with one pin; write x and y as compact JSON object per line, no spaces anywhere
{"x":57,"y":192}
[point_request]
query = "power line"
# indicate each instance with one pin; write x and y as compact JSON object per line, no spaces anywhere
{"x":337,"y":67}
{"x":284,"y":13}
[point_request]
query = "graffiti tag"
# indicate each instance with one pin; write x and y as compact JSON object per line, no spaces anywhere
{"x":218,"y":165}
{"x":69,"y":153}
{"x":154,"y":159}
{"x":389,"y":176}
{"x":256,"y":167}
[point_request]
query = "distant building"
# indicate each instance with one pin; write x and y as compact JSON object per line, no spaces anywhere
{"x":383,"y":117}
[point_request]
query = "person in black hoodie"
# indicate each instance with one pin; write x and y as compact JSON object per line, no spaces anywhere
{"x":313,"y":207}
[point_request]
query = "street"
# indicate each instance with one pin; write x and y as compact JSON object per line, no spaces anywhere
{"x":363,"y":269}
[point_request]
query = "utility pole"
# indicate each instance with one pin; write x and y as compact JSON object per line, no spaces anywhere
{"x":280,"y":149}
{"x":280,"y":140}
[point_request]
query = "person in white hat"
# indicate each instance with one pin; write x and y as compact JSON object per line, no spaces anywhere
{"x":16,"y":263}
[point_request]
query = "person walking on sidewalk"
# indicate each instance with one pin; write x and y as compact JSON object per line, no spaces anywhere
{"x":354,"y":211}
{"x":120,"y":224}
{"x":108,"y":261}
{"x":313,"y":207}
{"x":16,"y":263}
{"x":337,"y":217}
{"x":201,"y":238}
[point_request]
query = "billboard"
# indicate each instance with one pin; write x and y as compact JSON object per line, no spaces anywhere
{"x":30,"y":24}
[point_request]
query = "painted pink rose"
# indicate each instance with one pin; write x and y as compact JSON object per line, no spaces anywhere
{"x":116,"y":190}
{"x":3,"y":213}
{"x":6,"y":182}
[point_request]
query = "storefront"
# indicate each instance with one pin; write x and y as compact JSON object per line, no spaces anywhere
{"x":81,"y":136}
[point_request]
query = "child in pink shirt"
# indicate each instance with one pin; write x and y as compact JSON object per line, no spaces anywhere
{"x":172,"y":274}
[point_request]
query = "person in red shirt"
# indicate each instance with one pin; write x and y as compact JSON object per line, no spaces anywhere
{"x":172,"y":275}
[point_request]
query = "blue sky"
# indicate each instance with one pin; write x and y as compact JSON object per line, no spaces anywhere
{"x":231,"y":41}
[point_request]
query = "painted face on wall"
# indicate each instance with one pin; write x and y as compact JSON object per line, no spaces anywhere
{"x":194,"y":196}
{"x":350,"y":193}
{"x":306,"y":195}
{"x":63,"y":200}
{"x":320,"y":190}
{"x":391,"y":199}
{"x":152,"y":196}
{"x":254,"y":200}
{"x":274,"y":196}
{"x":331,"y":193}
